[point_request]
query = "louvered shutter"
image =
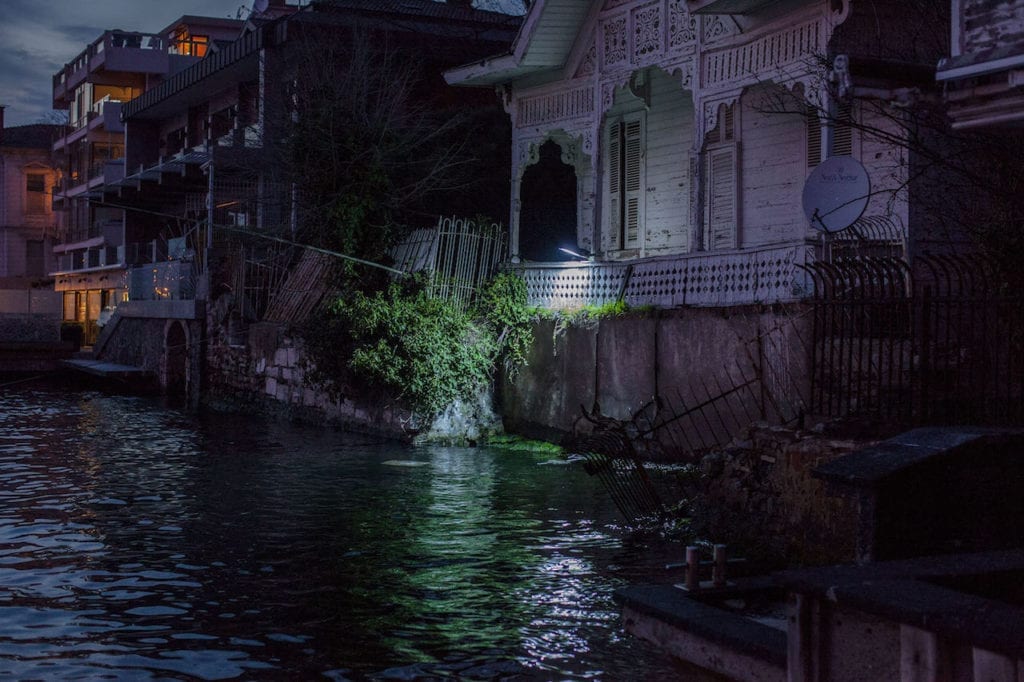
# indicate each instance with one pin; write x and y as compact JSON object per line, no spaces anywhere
{"x":813,"y":137}
{"x":632,"y":144}
{"x":842,"y":136}
{"x":615,"y":182}
{"x":721,"y":198}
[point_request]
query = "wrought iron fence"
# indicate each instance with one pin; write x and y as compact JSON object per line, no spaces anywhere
{"x":939,"y":342}
{"x":460,"y":255}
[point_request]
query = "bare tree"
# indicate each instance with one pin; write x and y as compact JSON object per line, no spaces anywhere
{"x":364,"y":139}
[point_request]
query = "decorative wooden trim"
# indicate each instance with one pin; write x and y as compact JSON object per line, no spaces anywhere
{"x":756,"y":59}
{"x":562,"y":105}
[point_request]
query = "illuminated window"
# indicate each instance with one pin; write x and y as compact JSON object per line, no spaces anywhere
{"x":192,"y":45}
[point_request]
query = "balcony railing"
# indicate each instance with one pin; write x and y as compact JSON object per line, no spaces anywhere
{"x":742,"y":277}
{"x":95,"y":54}
{"x":171,"y":280}
{"x":89,"y":259}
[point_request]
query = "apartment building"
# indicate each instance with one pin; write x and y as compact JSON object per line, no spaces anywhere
{"x":91,"y":256}
{"x":28,"y":223}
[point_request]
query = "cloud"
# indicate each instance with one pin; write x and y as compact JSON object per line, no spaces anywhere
{"x":40,"y":37}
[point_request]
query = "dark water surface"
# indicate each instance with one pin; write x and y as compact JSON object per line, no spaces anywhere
{"x":141,"y":542}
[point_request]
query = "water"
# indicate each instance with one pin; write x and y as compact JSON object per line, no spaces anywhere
{"x":141,"y":542}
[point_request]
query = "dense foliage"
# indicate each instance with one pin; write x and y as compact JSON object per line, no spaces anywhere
{"x":503,"y":304}
{"x":403,"y":344}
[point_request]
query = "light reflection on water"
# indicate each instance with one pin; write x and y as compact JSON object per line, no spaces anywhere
{"x":138,"y":542}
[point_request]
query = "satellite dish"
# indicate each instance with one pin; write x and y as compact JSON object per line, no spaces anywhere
{"x":259,"y":6}
{"x":836,"y":193}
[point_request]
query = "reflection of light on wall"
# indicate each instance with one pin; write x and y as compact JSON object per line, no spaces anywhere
{"x":571,"y":281}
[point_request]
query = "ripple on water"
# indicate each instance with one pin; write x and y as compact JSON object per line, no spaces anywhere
{"x":137,"y":542}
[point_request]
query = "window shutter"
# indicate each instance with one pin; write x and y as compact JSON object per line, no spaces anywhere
{"x":615,"y":182}
{"x":721,"y":198}
{"x":813,"y":137}
{"x":35,"y":192}
{"x":625,"y":181}
{"x":842,"y":139}
{"x":632,"y":182}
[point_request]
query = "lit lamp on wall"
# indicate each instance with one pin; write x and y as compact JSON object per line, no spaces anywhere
{"x":575,"y":254}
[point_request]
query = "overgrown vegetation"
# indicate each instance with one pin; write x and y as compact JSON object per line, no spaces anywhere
{"x":504,"y":305}
{"x":404,"y":344}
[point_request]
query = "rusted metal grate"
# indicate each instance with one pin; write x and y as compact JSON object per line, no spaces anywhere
{"x":608,"y":453}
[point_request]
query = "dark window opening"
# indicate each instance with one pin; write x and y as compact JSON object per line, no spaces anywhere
{"x":547,"y":217}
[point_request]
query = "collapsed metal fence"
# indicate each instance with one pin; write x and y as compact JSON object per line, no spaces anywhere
{"x":939,"y":342}
{"x":766,"y":383}
{"x":459,"y":254}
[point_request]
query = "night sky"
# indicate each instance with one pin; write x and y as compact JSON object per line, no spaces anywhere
{"x":37,"y":37}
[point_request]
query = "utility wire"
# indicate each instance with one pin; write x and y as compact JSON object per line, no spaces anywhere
{"x":232,"y":228}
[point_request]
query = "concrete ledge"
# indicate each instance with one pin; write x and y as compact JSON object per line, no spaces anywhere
{"x":936,"y":593}
{"x":712,"y":638}
{"x":869,"y":466}
{"x":110,"y":370}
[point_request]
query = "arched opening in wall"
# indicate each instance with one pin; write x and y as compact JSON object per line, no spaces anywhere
{"x":547,"y":217}
{"x":176,"y":360}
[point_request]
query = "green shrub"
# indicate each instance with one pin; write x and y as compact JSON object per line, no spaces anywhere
{"x":421,"y":350}
{"x":503,"y":305}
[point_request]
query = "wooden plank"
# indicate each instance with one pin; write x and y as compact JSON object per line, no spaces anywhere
{"x":992,"y":667}
{"x":922,"y":656}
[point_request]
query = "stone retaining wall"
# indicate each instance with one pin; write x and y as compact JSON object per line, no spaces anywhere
{"x":267,"y":374}
{"x":759,"y":496}
{"x":29,"y":328}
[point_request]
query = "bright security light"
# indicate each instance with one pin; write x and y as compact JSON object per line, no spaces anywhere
{"x":572,"y":253}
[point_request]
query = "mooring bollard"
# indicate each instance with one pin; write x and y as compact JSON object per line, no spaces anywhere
{"x":718,"y":569}
{"x":692,"y":569}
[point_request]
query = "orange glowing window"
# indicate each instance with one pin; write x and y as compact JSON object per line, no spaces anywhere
{"x":192,"y":45}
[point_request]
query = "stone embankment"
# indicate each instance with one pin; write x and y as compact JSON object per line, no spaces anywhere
{"x":760,"y":496}
{"x":266,"y":371}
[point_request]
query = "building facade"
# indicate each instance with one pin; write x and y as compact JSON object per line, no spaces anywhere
{"x":684,"y":133}
{"x":982,"y":71}
{"x":113,"y":69}
{"x":208,"y":146}
{"x":28,"y":223}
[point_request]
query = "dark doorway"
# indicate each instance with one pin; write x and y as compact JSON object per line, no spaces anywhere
{"x":547,"y":217}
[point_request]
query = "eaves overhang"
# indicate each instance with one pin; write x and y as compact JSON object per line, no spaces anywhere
{"x":971,"y":65}
{"x":544,"y":42}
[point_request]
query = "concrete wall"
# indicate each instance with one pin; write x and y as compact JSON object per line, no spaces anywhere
{"x":620,"y":363}
{"x":44,"y":302}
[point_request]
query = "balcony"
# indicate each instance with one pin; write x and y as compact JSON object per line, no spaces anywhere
{"x":107,"y":115}
{"x":120,"y":51}
{"x":95,"y":258}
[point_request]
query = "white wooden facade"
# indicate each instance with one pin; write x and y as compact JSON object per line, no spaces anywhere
{"x":686,"y":131}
